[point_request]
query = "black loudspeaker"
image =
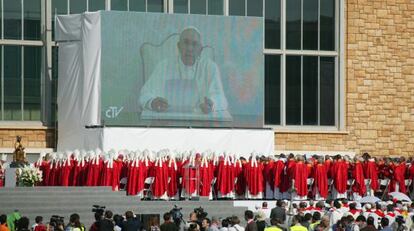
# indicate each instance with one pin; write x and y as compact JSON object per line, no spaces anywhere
{"x":150,"y":219}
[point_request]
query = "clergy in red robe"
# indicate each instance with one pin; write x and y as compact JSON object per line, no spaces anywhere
{"x":358,"y":187}
{"x":254,"y":178}
{"x":278,"y":173}
{"x":320,"y":186}
{"x":398,"y":181}
{"x":340,"y":177}
{"x":371,"y":172}
{"x":172,"y":188}
{"x":160,"y":179}
{"x":300,"y":178}
{"x":206,"y":177}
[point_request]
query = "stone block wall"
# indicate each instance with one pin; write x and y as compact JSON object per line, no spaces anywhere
{"x":31,"y":138}
{"x":379,"y":60}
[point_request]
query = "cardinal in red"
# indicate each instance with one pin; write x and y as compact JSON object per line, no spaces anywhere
{"x":239,"y":172}
{"x":340,"y":177}
{"x":300,"y":178}
{"x":206,"y":176}
{"x":320,"y":186}
{"x":398,"y":182}
{"x":358,"y":188}
{"x":225,"y":178}
{"x":254,"y":178}
{"x":160,"y":179}
{"x":278,"y":183}
{"x":371,"y":172}
{"x":172,"y":188}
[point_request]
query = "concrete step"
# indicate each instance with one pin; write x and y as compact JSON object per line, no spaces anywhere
{"x":63,"y":201}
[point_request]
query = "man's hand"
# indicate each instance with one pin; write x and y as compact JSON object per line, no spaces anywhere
{"x":159,"y":104}
{"x":207,"y":105}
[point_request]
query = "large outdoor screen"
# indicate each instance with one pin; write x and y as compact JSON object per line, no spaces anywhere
{"x":181,"y":70}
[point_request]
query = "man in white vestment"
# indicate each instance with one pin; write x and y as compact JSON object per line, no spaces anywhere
{"x":188,"y":80}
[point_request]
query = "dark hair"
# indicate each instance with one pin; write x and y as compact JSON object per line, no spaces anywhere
{"x":192,"y":227}
{"x":98,"y":216}
{"x":129,"y":214}
{"x":167,"y":216}
{"x":3,"y":218}
{"x":248,"y":214}
{"x":370,"y":221}
{"x":264,"y":204}
{"x":352,"y":206}
{"x":307,"y":217}
{"x":361,"y":218}
{"x":118,"y":219}
{"x":279,"y":203}
{"x":296,"y":219}
{"x":316,"y":216}
{"x":337,"y":204}
{"x":22,"y":223}
{"x":38,"y":219}
{"x":225,"y":223}
{"x":384,"y":222}
{"x":108,"y":214}
{"x":75,"y":220}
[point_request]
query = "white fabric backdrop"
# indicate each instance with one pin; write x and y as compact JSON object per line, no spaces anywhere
{"x":79,"y":80}
{"x":234,"y":141}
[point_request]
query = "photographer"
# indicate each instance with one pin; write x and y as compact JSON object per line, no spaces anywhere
{"x":107,"y":223}
{"x":96,"y":224}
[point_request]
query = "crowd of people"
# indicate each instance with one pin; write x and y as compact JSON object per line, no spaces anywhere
{"x":172,"y":175}
{"x":329,"y":215}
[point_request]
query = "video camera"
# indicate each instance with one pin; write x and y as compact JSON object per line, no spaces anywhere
{"x":177,"y":216}
{"x":98,"y":209}
{"x":201,"y":214}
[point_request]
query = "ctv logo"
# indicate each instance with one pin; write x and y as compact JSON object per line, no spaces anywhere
{"x":113,"y":112}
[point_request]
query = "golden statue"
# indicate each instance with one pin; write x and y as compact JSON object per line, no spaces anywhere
{"x":19,"y":156}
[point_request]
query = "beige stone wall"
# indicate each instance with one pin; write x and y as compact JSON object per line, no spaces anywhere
{"x":31,"y":138}
{"x":379,"y":83}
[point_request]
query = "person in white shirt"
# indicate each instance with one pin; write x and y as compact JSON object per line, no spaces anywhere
{"x":336,"y":214}
{"x":189,"y":68}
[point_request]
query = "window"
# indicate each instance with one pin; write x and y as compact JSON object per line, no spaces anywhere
{"x":246,"y":8}
{"x":211,"y":7}
{"x":301,"y":61}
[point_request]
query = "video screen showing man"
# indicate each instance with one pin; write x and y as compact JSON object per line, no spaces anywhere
{"x":189,"y":82}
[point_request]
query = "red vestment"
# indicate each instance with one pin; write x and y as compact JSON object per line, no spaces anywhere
{"x":321,"y":180}
{"x":172,"y":187}
{"x":371,"y":172}
{"x":358,"y":175}
{"x":399,"y":178}
{"x":254,"y":177}
{"x":225,"y":177}
{"x":241,"y":184}
{"x":340,"y":176}
{"x":160,"y":178}
{"x":206,"y":176}
{"x":278,"y":172}
{"x":301,"y":178}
